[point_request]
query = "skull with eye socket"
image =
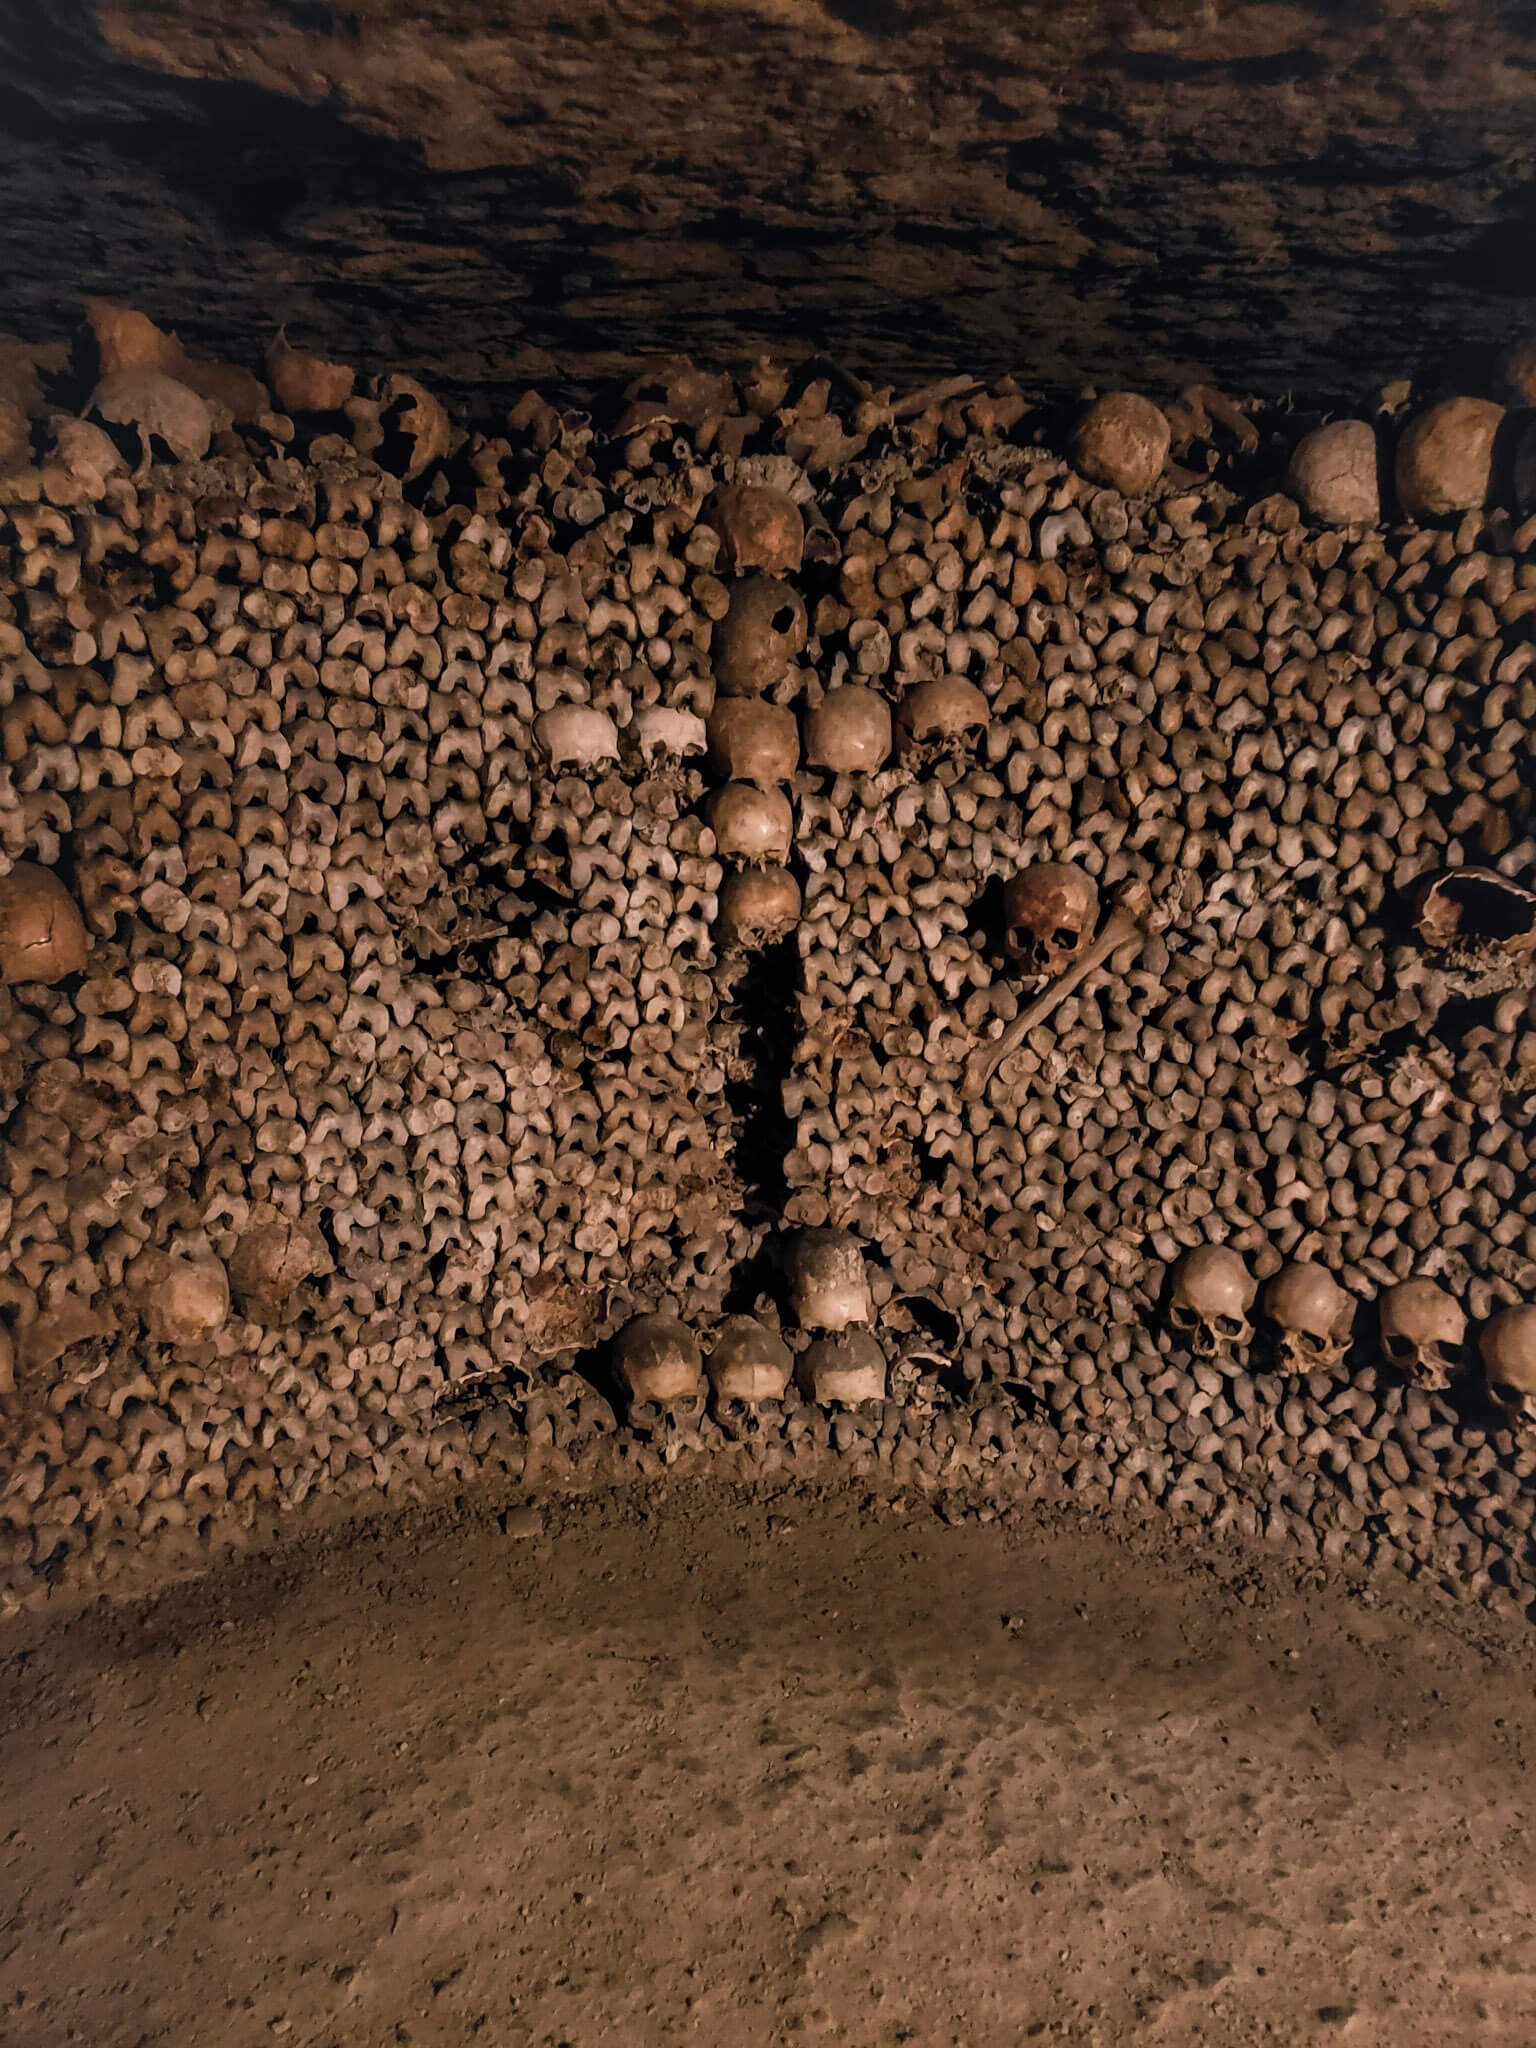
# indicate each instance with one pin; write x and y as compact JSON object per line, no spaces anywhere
{"x":749,"y":1367}
{"x":1507,"y":1347}
{"x":1423,"y":1331}
{"x":1313,"y":1318}
{"x":656,"y":1360}
{"x":1210,"y":1301}
{"x":1050,"y":912}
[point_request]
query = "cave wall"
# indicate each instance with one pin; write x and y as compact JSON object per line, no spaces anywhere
{"x":1255,"y":191}
{"x":435,"y":1047}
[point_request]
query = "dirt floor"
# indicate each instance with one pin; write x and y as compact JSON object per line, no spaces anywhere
{"x":706,"y":1768}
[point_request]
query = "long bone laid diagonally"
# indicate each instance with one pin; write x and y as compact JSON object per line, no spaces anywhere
{"x":1130,"y":919}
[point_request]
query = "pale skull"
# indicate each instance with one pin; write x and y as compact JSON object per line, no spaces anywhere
{"x":657,"y":1360}
{"x":1423,"y":1330}
{"x":1210,"y":1302}
{"x":1508,"y":1350}
{"x":749,"y":1368}
{"x":828,"y":1287}
{"x":844,"y":1371}
{"x":1312,"y":1315}
{"x":1049,"y":915}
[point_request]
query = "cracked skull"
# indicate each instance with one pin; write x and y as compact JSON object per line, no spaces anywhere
{"x":828,"y":1287}
{"x":1049,"y":914}
{"x":1423,"y":1330}
{"x":749,"y":1369}
{"x":1313,"y":1317}
{"x":1211,"y":1300}
{"x":1507,"y":1347}
{"x":844,"y":1371}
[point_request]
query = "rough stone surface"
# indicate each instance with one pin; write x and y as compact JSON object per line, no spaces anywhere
{"x":1120,"y":191}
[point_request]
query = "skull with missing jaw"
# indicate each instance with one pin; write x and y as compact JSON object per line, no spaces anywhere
{"x":1050,"y":912}
{"x":1210,"y":1301}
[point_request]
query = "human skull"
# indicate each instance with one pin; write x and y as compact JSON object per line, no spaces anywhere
{"x":42,"y":934}
{"x":762,"y":632}
{"x":942,"y":714}
{"x":273,"y":1259}
{"x":1122,"y":440}
{"x":1423,"y":1330}
{"x":158,"y":408}
{"x":1210,"y":1303}
{"x":1050,"y":911}
{"x":749,"y":1369}
{"x":662,"y":730}
{"x":1333,"y":474}
{"x":1507,"y":1347}
{"x":849,"y":732}
{"x":749,"y":824}
{"x":750,"y":741}
{"x":577,"y":736}
{"x":843,"y":1371}
{"x":1313,"y":1316}
{"x":828,"y":1287}
{"x":183,"y":1300}
{"x":657,"y":1360}
{"x":1445,"y":460}
{"x":759,"y":528}
{"x":756,"y":906}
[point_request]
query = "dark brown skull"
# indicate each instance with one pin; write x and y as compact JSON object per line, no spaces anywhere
{"x":1049,"y":914}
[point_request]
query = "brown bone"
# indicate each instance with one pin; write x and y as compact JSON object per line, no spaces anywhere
{"x":1127,"y":921}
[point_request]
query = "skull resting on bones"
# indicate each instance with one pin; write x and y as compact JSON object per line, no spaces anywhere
{"x":657,"y":1360}
{"x":1312,"y":1315}
{"x":750,"y":824}
{"x":748,"y":1363}
{"x":750,"y":741}
{"x":1050,"y":912}
{"x":828,"y":1287}
{"x":843,"y":1371}
{"x":1508,"y":1350}
{"x":943,"y":714}
{"x":762,"y":632}
{"x":1423,"y":1330}
{"x":757,"y":906}
{"x":759,"y":528}
{"x":1211,"y":1300}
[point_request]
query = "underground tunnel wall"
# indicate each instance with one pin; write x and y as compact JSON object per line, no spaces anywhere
{"x":422,"y":1042}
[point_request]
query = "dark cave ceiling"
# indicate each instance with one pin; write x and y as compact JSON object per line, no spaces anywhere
{"x":1274,"y":195}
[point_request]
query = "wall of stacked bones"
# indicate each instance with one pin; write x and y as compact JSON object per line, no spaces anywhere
{"x":782,"y":923}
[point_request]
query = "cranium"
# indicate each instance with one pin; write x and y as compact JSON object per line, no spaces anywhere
{"x":942,"y":714}
{"x":750,"y":741}
{"x":42,"y":934}
{"x":749,"y":1368}
{"x":751,"y":824}
{"x":1423,"y":1330}
{"x":1049,"y":914}
{"x":757,"y":906}
{"x":762,"y":632}
{"x":273,"y":1259}
{"x":759,"y":528}
{"x":843,"y":1371}
{"x":1211,"y":1299}
{"x":1122,"y":440}
{"x":1508,"y":1350}
{"x":828,"y":1287}
{"x":182,"y":1300}
{"x":657,"y":1360}
{"x":158,"y":408}
{"x":1313,"y":1315}
{"x":577,"y":736}
{"x":849,"y":732}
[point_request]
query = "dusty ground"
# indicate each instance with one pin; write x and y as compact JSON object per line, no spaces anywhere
{"x":715,"y":1770}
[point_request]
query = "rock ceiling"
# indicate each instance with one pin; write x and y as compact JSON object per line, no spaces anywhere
{"x":1272,"y":194}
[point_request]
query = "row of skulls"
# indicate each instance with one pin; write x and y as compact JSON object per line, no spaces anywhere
{"x":1423,"y":1328}
{"x":661,"y":1367}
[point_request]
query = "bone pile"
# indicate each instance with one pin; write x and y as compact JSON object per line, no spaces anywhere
{"x":394,"y":815}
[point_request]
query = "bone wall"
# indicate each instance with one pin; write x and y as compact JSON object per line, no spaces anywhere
{"x":408,"y":1007}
